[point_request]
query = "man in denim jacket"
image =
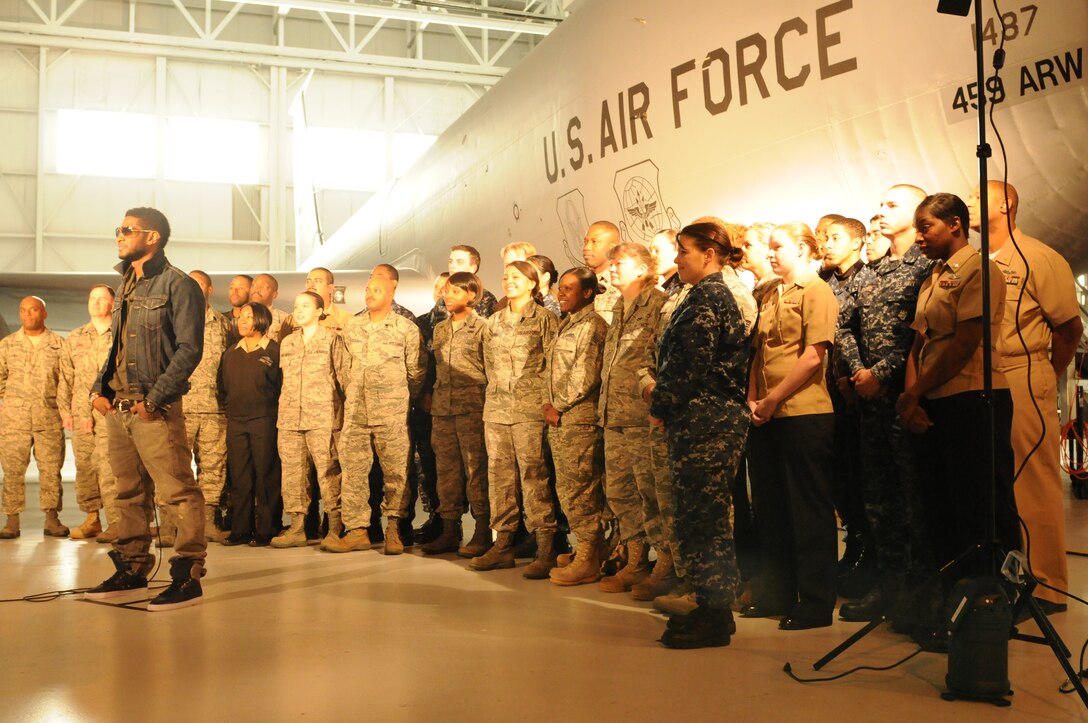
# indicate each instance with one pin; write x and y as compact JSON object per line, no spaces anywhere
{"x":158,"y":340}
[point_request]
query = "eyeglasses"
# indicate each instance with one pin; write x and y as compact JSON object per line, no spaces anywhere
{"x":127,"y":231}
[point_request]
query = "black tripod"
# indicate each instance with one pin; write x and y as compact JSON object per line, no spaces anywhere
{"x":992,"y":690}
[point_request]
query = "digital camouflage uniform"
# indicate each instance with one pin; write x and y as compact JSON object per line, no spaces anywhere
{"x":605,"y":302}
{"x":513,"y":421}
{"x":29,"y":378}
{"x":629,"y":481}
{"x":656,"y":439}
{"x":85,"y":354}
{"x":385,"y":374}
{"x":310,"y":416}
{"x":702,"y":379}
{"x":875,"y":333}
{"x":205,"y":423}
{"x":573,"y":388}
{"x":276,"y":328}
{"x":457,"y":406}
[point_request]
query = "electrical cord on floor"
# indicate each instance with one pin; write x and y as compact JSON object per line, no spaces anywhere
{"x":788,"y":670}
{"x":51,"y":595}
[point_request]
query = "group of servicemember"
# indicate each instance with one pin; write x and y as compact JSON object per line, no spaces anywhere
{"x":722,"y":390}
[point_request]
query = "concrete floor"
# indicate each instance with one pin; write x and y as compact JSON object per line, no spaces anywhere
{"x":299,"y":634}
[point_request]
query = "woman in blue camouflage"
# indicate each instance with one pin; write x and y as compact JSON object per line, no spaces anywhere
{"x":700,"y":401}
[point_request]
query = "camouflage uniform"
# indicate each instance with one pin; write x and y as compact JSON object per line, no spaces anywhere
{"x":457,"y":404}
{"x":702,"y":380}
{"x":310,"y":416}
{"x":605,"y":301}
{"x":875,"y":333}
{"x":29,"y":377}
{"x":629,"y":480}
{"x":205,"y":423}
{"x":385,"y":374}
{"x":573,"y":388}
{"x":85,"y":354}
{"x":513,"y":422}
{"x":276,"y":328}
{"x":849,"y":500}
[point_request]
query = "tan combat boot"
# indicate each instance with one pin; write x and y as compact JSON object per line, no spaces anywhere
{"x":539,"y":568}
{"x":448,"y":540}
{"x":90,"y":528}
{"x":356,"y":539}
{"x":500,"y":556}
{"x":635,"y":571}
{"x":584,"y":568}
{"x":481,"y":539}
{"x":393,"y":544}
{"x":293,"y":536}
{"x":11,"y":529}
{"x":661,"y":581}
{"x":53,"y":526}
{"x":168,"y":526}
{"x":336,"y":528}
{"x":680,"y":602}
{"x":211,"y":532}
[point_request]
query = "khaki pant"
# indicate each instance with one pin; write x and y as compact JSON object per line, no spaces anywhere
{"x":297,"y":449}
{"x":48,"y":448}
{"x":359,"y":444}
{"x":1038,"y":489}
{"x":461,"y":458}
{"x":513,"y":450}
{"x":206,"y":436}
{"x":147,"y":456}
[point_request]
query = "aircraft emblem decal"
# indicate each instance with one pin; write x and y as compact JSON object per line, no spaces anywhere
{"x":638,"y":189}
{"x":571,"y":208}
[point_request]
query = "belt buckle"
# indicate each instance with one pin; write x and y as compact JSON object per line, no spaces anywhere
{"x":125,"y":405}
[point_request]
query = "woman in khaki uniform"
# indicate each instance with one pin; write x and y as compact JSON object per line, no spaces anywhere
{"x":570,"y":410}
{"x":625,"y":415}
{"x":514,"y":344}
{"x":944,"y":390}
{"x":789,"y":449}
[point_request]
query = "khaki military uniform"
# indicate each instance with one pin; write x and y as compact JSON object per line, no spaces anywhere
{"x":629,"y":481}
{"x":605,"y":301}
{"x":573,"y":388}
{"x":311,"y":413}
{"x":457,"y":423}
{"x":513,"y":421}
{"x":29,"y":377}
{"x":1049,"y":300}
{"x":386,"y":373}
{"x":85,"y":354}
{"x":205,"y":423}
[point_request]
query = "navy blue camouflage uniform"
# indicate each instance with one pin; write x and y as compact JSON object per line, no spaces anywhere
{"x":875,"y":333}
{"x":702,"y":376}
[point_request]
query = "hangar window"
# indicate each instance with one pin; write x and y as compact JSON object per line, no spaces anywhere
{"x":213,"y":151}
{"x":99,"y":143}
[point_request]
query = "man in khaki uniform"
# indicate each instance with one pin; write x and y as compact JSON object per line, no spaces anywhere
{"x":265,"y":289}
{"x":386,"y":373}
{"x":205,"y":422}
{"x":30,"y":372}
{"x":1049,"y":321}
{"x":333,"y":318}
{"x":86,"y":350}
{"x":601,"y":238}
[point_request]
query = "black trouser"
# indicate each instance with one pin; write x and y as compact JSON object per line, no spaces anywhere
{"x":846,"y":478}
{"x":745,"y":524}
{"x":789,"y":462}
{"x":254,"y":463}
{"x":422,"y":479}
{"x":955,"y":485}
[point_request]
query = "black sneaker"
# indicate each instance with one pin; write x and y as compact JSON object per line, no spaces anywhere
{"x":122,"y":583}
{"x":184,"y":590}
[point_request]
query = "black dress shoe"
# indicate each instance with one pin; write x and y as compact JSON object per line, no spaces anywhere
{"x":260,"y":541}
{"x":233,"y":539}
{"x":1051,"y":608}
{"x":795,"y":623}
{"x":755,"y":610}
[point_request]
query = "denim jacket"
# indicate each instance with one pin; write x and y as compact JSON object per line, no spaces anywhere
{"x":166,"y":333}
